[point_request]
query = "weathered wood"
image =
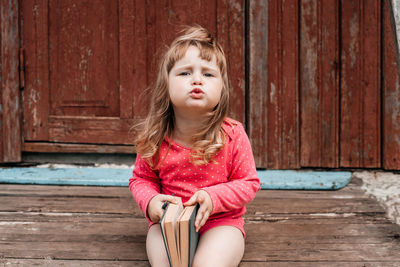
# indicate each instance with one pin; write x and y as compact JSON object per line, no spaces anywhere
{"x":319,"y":85}
{"x":88,"y":66}
{"x":391,"y":97}
{"x":283,"y":100}
{"x":101,"y":226}
{"x":72,"y":263}
{"x":360,"y":133}
{"x":34,"y":39}
{"x":10,"y":97}
{"x":77,"y":148}
{"x":83,"y":56}
{"x":258,"y":82}
{"x":231,"y":33}
{"x":103,"y":130}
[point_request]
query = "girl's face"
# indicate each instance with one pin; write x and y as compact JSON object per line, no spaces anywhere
{"x":194,"y":84}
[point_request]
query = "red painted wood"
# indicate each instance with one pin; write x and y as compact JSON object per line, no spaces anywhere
{"x":133,"y":55}
{"x":360,"y":136}
{"x":101,"y":130}
{"x":84,"y":59}
{"x":10,"y":110}
{"x":258,"y":82}
{"x":230,"y":32}
{"x":91,"y":62}
{"x":34,"y":16}
{"x":391,"y":96}
{"x":283,"y":110}
{"x":319,"y":72}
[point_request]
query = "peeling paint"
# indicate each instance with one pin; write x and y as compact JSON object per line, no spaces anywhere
{"x":272,"y":93}
{"x":354,"y":31}
{"x":396,"y":11}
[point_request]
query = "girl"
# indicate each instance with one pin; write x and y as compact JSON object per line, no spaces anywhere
{"x":189,"y":148}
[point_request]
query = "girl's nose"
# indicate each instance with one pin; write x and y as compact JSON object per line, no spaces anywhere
{"x":196,"y":79}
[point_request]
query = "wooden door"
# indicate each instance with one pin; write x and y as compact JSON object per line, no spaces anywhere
{"x":88,"y":64}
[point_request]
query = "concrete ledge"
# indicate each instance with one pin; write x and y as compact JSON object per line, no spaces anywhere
{"x":270,"y":179}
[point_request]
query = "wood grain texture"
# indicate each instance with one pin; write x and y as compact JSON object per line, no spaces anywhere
{"x":92,"y":62}
{"x":76,"y":148}
{"x":360,"y":133}
{"x":283,"y":85}
{"x":35,"y":34}
{"x":10,"y":97}
{"x":391,"y":97}
{"x":258,"y":82}
{"x":102,"y":226}
{"x":319,"y":87}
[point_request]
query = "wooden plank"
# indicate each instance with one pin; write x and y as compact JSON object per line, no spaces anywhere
{"x":283,"y":110}
{"x":349,"y":192}
{"x":10,"y":98}
{"x":126,"y":205}
{"x":68,"y":205}
{"x":319,"y":72}
{"x":258,"y":82}
{"x":35,"y":36}
{"x":328,"y":263}
{"x":391,"y":96}
{"x":98,"y":130}
{"x":140,"y":64}
{"x":322,"y":252}
{"x":77,"y":148}
{"x":231,"y":35}
{"x":64,"y":191}
{"x":72,"y":263}
{"x":127,"y":57}
{"x":360,"y":134}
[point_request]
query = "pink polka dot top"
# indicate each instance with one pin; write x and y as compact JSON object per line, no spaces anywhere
{"x":231,"y":180}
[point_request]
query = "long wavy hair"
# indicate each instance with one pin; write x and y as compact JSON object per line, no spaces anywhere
{"x":159,"y":122}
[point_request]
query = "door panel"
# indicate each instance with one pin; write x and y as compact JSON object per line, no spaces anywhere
{"x":89,"y":63}
{"x":84,"y":59}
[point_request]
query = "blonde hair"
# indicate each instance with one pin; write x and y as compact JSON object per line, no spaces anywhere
{"x":159,"y":122}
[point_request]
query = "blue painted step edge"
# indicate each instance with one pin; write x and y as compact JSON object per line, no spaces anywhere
{"x":270,"y":179}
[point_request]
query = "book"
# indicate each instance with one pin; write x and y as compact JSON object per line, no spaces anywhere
{"x":179,"y":234}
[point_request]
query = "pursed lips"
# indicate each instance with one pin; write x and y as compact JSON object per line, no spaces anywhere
{"x":196,"y":93}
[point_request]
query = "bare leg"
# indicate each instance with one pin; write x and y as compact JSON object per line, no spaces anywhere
{"x":220,"y":246}
{"x":155,"y":247}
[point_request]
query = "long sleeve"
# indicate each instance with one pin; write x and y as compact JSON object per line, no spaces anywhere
{"x":243,"y":182}
{"x":144,"y":184}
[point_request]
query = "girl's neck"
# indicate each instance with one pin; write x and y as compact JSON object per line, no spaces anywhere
{"x":184,"y":130}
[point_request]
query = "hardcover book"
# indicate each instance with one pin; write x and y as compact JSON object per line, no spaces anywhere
{"x":179,"y":234}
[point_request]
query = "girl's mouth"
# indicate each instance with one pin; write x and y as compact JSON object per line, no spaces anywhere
{"x":196,"y":93}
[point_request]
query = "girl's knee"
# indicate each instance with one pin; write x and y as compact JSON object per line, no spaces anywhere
{"x":155,"y":248}
{"x":220,"y":246}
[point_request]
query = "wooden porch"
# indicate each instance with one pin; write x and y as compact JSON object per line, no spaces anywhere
{"x":102,"y":226}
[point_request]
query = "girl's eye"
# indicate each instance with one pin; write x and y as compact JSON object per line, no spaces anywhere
{"x":185,"y":73}
{"x":208,"y":75}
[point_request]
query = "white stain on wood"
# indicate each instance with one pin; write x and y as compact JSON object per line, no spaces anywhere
{"x":396,"y":15}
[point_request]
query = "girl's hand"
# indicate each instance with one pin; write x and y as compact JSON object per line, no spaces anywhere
{"x":206,"y":207}
{"x":155,"y":210}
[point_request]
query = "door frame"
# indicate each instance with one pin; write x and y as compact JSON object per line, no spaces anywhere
{"x":10,"y":98}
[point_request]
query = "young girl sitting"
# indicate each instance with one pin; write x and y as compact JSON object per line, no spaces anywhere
{"x":190,"y":149}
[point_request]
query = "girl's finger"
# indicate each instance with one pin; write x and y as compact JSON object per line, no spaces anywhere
{"x":193,"y":200}
{"x":200,"y":217}
{"x":204,"y":219}
{"x":168,"y":198}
